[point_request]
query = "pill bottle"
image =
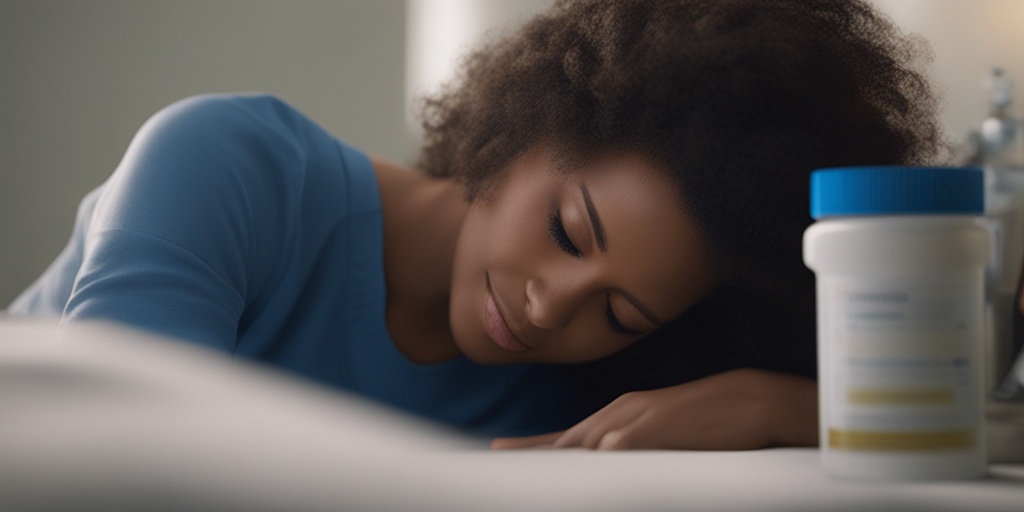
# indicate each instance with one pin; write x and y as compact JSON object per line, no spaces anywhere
{"x":899,"y":256}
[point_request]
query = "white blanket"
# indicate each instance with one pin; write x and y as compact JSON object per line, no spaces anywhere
{"x":105,"y":418}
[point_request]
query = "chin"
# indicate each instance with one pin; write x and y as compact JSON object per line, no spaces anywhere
{"x":481,"y":353}
{"x":486,"y":360}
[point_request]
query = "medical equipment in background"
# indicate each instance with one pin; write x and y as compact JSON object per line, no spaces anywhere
{"x":997,"y":145}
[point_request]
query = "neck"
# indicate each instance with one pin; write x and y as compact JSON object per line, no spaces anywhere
{"x":422,"y":218}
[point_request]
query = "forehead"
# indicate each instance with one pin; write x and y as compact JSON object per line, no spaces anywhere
{"x":631,"y":182}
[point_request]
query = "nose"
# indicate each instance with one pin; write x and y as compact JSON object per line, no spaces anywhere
{"x":551,"y":301}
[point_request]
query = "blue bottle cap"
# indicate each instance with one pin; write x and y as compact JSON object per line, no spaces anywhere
{"x":897,"y":190}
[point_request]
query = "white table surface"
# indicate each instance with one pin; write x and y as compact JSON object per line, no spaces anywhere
{"x":108,"y":419}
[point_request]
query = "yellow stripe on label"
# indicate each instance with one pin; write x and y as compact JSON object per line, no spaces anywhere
{"x":900,"y":397}
{"x":900,"y":441}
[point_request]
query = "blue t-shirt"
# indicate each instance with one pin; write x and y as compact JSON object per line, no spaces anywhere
{"x":237,"y":223}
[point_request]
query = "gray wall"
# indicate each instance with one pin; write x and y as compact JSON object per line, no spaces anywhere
{"x":78,"y":77}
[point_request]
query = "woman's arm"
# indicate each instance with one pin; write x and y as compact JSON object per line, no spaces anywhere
{"x":735,"y":410}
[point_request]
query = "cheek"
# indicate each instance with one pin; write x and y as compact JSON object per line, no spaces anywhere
{"x":488,"y":242}
{"x":589,"y":340}
{"x":505,"y":240}
{"x":469,"y":263}
{"x":466,"y":295}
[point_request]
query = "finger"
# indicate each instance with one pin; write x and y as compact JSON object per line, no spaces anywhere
{"x":614,"y":440}
{"x":520,"y":443}
{"x":618,"y":415}
{"x":598,"y":436}
{"x":588,"y":432}
{"x":577,"y":436}
{"x":636,"y":435}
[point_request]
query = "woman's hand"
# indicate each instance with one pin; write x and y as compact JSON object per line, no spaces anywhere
{"x":735,"y":410}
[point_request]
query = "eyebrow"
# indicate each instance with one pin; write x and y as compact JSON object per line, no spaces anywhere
{"x":602,"y":244}
{"x":594,"y":219}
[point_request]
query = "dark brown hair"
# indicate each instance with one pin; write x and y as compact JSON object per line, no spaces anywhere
{"x":739,"y":100}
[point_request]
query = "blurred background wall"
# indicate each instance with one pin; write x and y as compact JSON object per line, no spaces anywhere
{"x":78,"y":77}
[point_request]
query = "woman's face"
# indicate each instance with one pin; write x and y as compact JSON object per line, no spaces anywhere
{"x":562,"y":267}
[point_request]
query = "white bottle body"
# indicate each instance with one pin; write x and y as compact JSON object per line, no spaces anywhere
{"x":900,"y":337}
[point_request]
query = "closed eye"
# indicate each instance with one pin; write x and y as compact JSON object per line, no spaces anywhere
{"x":614,"y":324}
{"x":557,"y":230}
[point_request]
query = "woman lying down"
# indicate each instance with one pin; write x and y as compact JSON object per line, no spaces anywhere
{"x":599,"y":245}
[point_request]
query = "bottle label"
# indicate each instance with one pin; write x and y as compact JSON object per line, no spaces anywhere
{"x":900,"y":361}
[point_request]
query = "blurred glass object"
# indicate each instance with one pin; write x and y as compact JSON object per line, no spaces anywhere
{"x":997,"y":145}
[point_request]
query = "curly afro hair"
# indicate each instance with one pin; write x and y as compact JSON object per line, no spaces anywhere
{"x":738,"y":100}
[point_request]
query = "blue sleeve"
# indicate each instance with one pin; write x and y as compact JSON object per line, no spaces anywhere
{"x":185,"y":231}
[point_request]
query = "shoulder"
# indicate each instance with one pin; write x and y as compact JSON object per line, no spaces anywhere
{"x":252,"y":138}
{"x":227,"y":108}
{"x":211,"y":119}
{"x":225,"y":163}
{"x":247,"y":160}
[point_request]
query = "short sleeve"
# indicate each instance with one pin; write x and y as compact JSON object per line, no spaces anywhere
{"x":185,"y":227}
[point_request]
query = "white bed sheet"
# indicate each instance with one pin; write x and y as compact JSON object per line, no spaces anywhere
{"x":105,"y":418}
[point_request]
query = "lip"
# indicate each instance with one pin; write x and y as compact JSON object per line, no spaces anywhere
{"x":496,"y":326}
